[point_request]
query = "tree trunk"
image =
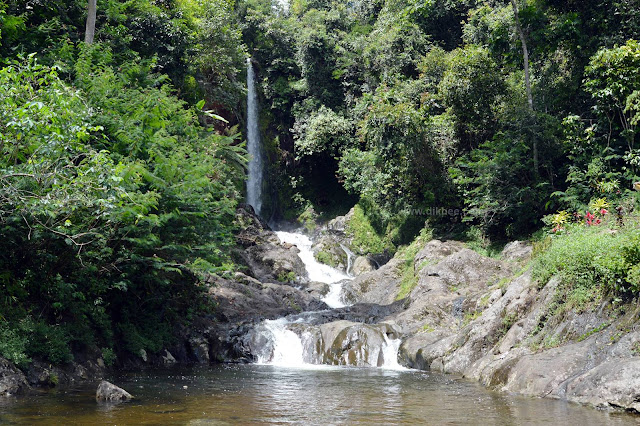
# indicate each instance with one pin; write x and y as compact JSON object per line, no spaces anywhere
{"x":90,"y":30}
{"x":527,"y":76}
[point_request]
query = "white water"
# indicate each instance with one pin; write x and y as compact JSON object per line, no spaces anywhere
{"x":287,"y":349}
{"x":254,"y":180}
{"x":317,"y":271}
{"x":288,"y":346}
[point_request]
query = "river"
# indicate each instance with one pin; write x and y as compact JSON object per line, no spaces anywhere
{"x":264,"y":394}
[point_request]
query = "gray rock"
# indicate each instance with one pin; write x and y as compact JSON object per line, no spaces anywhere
{"x":168,"y":358}
{"x":340,"y":223}
{"x":434,"y":251}
{"x":12,"y":380}
{"x":108,"y":392}
{"x":362,"y":265}
{"x":517,"y":251}
{"x":271,"y":261}
{"x":380,"y":286}
{"x":237,"y":302}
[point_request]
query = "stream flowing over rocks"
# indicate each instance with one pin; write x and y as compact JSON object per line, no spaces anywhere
{"x":471,"y":315}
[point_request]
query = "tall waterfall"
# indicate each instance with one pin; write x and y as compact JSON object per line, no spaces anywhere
{"x":254,"y":181}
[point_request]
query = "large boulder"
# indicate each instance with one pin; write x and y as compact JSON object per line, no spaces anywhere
{"x":362,"y":265}
{"x":380,"y":286}
{"x":12,"y":380}
{"x":253,"y":301}
{"x":273,"y":261}
{"x":517,"y":251}
{"x":108,"y":392}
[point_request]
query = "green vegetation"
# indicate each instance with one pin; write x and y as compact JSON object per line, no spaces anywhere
{"x":409,"y":276}
{"x":364,"y":238}
{"x":121,"y":159}
{"x":326,"y":258}
{"x":116,"y":190}
{"x":593,"y":259}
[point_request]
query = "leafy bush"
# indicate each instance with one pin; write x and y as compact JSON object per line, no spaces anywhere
{"x":590,"y":258}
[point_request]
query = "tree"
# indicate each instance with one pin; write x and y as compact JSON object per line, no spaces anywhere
{"x":527,"y":77}
{"x":90,"y":30}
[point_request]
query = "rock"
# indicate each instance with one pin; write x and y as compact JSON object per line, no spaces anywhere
{"x":168,"y":358}
{"x":238,"y":302}
{"x":273,"y":262}
{"x":362,"y":265}
{"x":517,"y":251}
{"x":340,"y":223}
{"x":108,"y":392}
{"x":614,"y":383}
{"x":434,"y":251}
{"x":327,"y":250}
{"x":353,"y":344}
{"x":12,"y":380}
{"x":380,"y":286}
{"x":200,"y":349}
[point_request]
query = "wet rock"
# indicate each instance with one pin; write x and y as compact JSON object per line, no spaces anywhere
{"x":168,"y":358}
{"x":200,"y":349}
{"x":327,"y":250}
{"x":362,"y":265}
{"x":517,"y":251}
{"x":108,"y":392}
{"x":12,"y":380}
{"x":353,"y":344}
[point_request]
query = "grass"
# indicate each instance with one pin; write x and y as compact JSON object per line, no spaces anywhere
{"x":409,"y":279}
{"x":365,"y":239}
{"x":592,"y":261}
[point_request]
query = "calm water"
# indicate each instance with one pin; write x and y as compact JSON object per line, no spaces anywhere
{"x":254,"y":394}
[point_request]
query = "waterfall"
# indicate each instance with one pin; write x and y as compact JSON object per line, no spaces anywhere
{"x":299,"y":341}
{"x":317,"y":271}
{"x":254,"y":180}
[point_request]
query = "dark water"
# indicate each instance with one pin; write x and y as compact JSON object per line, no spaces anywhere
{"x":254,"y":394}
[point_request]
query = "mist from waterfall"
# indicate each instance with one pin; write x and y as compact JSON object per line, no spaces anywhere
{"x":256,"y":166}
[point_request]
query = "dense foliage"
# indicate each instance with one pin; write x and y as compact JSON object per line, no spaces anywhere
{"x":116,"y":194}
{"x":119,"y":175}
{"x":409,"y":105}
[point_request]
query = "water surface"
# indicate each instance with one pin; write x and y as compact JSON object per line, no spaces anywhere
{"x":264,"y":394}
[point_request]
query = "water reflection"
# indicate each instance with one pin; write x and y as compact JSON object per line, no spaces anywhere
{"x":308,"y":396}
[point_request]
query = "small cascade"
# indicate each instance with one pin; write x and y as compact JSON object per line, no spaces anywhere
{"x":390,"y":351}
{"x":256,"y":166}
{"x":301,"y":341}
{"x":317,"y":271}
{"x":350,"y":256}
{"x":287,"y":347}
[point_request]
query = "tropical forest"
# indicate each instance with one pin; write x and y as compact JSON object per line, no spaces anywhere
{"x":319,"y":211}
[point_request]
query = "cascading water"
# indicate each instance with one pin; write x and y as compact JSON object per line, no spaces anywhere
{"x":256,"y":166}
{"x":295,"y":342}
{"x":317,"y":271}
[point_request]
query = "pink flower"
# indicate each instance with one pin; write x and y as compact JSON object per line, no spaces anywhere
{"x":603,"y":212}
{"x":598,"y":222}
{"x":589,"y":218}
